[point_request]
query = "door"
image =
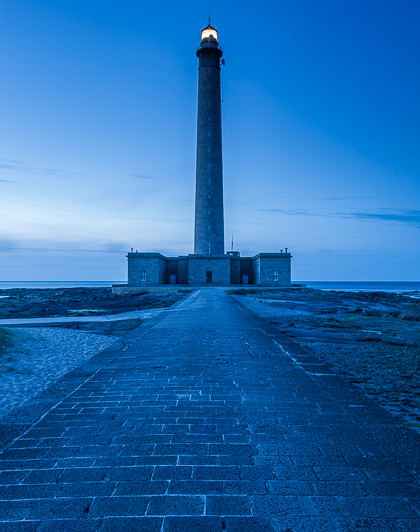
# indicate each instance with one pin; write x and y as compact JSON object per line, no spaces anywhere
{"x":245,"y":278}
{"x":172,"y":278}
{"x":209,"y":277}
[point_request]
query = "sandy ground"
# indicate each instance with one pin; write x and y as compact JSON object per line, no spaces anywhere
{"x":39,"y":357}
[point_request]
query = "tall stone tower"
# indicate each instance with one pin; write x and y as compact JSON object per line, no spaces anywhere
{"x":209,"y":225}
{"x":208,"y":265}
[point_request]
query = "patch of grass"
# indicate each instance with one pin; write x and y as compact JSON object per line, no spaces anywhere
{"x":412,"y":424}
{"x":12,"y":351}
{"x":7,"y":361}
{"x":243,"y":291}
{"x":6,"y":340}
{"x":280,"y":291}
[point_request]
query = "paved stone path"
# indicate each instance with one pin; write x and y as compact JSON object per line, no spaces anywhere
{"x":206,"y":419}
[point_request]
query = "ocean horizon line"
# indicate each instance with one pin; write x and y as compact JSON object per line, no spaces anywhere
{"x":349,"y":286}
{"x":294,"y":281}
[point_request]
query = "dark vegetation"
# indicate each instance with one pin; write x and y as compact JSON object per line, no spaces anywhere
{"x":33,"y":303}
{"x":6,"y":340}
{"x":379,"y":304}
{"x":11,"y":342}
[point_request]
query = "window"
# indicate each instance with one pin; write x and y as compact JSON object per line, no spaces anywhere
{"x":142,"y":275}
{"x":275,"y":275}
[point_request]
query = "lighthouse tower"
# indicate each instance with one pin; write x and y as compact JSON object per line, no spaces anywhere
{"x":209,"y":225}
{"x":208,"y":265}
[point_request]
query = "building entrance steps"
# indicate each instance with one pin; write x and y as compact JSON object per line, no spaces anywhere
{"x":207,"y":419}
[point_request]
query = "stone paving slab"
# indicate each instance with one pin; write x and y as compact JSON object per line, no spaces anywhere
{"x":206,"y":419}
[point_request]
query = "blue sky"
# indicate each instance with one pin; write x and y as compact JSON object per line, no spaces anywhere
{"x":321,"y":135}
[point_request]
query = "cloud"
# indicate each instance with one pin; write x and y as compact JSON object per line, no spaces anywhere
{"x":406,"y":216}
{"x":7,"y":244}
{"x":11,"y":165}
{"x":292,"y":212}
{"x":58,"y":246}
{"x":142,"y":176}
{"x":411,"y":217}
{"x":6,"y":181}
{"x":50,"y":207}
{"x":344,"y":198}
{"x":109,"y":247}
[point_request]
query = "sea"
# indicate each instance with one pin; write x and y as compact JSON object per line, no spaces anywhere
{"x":364,"y":286}
{"x":58,"y":284}
{"x":349,"y":286}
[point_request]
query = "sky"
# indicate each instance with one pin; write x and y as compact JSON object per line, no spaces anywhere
{"x":321,"y":134}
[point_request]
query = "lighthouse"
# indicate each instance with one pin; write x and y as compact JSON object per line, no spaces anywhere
{"x":209,"y":265}
{"x":209,"y":224}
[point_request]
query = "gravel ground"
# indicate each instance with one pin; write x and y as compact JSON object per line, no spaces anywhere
{"x":387,"y":373}
{"x":39,"y":358}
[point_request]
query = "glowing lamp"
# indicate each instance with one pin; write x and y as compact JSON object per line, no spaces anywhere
{"x":209,"y":34}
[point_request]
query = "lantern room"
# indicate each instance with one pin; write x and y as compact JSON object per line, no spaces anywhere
{"x":209,"y":34}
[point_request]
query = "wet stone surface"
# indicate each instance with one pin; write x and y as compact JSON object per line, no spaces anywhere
{"x":371,"y":339}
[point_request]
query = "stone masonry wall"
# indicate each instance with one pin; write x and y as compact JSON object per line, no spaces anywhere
{"x":192,"y":270}
{"x":256,"y":270}
{"x":235,"y":270}
{"x":199,"y":266}
{"x":183,"y":271}
{"x":265,"y":264}
{"x":153,"y":264}
{"x":209,"y":225}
